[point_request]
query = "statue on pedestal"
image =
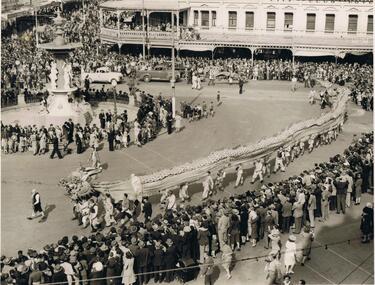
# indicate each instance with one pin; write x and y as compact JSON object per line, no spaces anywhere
{"x":67,"y":75}
{"x":53,"y":75}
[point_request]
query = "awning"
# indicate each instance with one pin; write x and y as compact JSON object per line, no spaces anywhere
{"x":152,"y":5}
{"x":303,"y":52}
{"x":193,"y":47}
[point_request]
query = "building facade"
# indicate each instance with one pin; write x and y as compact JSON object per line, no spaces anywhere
{"x":306,"y":27}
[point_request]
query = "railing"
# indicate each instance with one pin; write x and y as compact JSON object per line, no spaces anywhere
{"x":136,"y":35}
{"x":255,"y":36}
{"x":8,"y":101}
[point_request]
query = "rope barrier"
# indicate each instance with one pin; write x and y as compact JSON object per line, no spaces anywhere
{"x":244,"y":259}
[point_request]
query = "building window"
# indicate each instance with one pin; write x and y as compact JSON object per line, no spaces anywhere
{"x":213,"y":13}
{"x":249,"y":20}
{"x":196,"y":16}
{"x":352,"y":24}
{"x":370,"y":24}
{"x":310,"y":22}
{"x":232,"y":19}
{"x":205,"y":19}
{"x":288,"y":21}
{"x":271,"y":21}
{"x":330,"y":23}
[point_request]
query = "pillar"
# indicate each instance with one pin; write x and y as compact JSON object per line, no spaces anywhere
{"x":252,"y":49}
{"x":118,"y":23}
{"x":178,"y":24}
{"x":292,"y":59}
{"x":101,"y":17}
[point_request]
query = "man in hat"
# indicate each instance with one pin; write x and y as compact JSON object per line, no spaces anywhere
{"x":102,"y":119}
{"x":307,"y":238}
{"x":207,"y":269}
{"x":171,"y":257}
{"x":56,"y":148}
{"x":223,"y":226}
{"x":158,"y":262}
{"x":341,"y":188}
{"x":239,"y":178}
{"x":208,"y":184}
{"x":142,"y":256}
{"x":258,"y":171}
{"x":37,"y":205}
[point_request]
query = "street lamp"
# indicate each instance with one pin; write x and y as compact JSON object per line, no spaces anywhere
{"x":173,"y":73}
{"x":114,"y":84}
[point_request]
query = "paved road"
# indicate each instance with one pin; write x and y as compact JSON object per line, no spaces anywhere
{"x":260,"y":112}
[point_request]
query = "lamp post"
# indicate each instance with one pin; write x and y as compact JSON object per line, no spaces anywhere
{"x":173,"y":73}
{"x":114,"y":84}
{"x":143,"y":30}
{"x":36,"y":27}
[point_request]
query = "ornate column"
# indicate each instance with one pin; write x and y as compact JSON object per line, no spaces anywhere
{"x":118,"y":23}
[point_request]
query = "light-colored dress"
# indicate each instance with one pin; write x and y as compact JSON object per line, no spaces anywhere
{"x":128,"y":276}
{"x":290,"y":252}
{"x":43,"y":142}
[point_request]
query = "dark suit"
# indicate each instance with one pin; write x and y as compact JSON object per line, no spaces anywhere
{"x":55,"y":150}
{"x":78,"y":143}
{"x":158,"y":264}
{"x":111,"y":138}
{"x":102,"y":120}
{"x":142,"y":256}
{"x":171,"y":257}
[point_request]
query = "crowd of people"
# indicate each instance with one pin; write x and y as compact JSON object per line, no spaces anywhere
{"x":154,"y":114}
{"x":137,"y":241}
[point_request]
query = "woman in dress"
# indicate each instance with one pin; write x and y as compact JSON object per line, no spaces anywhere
{"x":253,"y":226}
{"x":358,"y":189}
{"x":43,"y":143}
{"x":227,"y":259}
{"x":290,"y":254}
{"x":128,"y":276}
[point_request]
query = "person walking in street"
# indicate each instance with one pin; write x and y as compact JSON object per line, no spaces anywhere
{"x":239,"y":179}
{"x":341,"y":188}
{"x":36,"y":205}
{"x":290,"y":254}
{"x":307,"y":237}
{"x":55,"y":144}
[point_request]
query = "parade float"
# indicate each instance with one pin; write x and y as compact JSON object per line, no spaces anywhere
{"x":228,"y":159}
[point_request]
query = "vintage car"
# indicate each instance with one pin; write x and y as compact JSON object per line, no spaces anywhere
{"x":103,"y":75}
{"x":160,"y":72}
{"x":224,"y":77}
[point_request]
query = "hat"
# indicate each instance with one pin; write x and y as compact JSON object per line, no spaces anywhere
{"x":22,"y":268}
{"x":275,"y":232}
{"x":104,"y":247}
{"x":169,"y":242}
{"x":7,"y":260}
{"x":58,"y":268}
{"x":133,"y":229}
{"x":292,"y":238}
{"x":133,"y":240}
{"x":97,"y":266}
{"x":187,"y":229}
{"x":114,"y":243}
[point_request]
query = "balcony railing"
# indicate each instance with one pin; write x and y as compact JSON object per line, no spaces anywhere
{"x":136,"y":35}
{"x":277,"y":37}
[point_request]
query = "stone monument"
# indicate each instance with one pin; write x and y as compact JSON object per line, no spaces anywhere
{"x":60,"y":109}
